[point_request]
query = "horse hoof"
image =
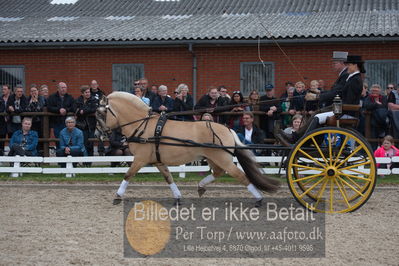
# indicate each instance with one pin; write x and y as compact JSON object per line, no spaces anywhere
{"x":258,"y":203}
{"x":117,"y":200}
{"x":201,"y":191}
{"x":177,"y":202}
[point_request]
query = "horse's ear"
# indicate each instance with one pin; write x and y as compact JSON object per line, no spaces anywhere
{"x":104,"y":100}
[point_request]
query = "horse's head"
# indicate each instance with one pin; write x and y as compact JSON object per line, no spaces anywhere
{"x":106,"y":119}
{"x":117,"y":110}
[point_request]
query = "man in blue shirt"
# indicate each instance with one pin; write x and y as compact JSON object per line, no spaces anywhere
{"x":24,"y":141}
{"x":71,"y":140}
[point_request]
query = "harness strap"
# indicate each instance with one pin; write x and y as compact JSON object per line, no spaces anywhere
{"x":158,"y":132}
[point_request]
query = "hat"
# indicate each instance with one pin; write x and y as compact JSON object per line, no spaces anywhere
{"x":339,"y":56}
{"x":354,"y":59}
{"x":269,"y":87}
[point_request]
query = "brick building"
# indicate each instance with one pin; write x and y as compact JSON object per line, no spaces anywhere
{"x":198,"y":42}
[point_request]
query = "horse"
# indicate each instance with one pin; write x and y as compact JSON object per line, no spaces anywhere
{"x":181,"y":142}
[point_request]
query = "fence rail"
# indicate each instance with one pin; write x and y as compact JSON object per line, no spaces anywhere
{"x":18,"y":165}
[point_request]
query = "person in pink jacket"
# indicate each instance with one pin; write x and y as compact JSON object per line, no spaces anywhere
{"x":387,"y":149}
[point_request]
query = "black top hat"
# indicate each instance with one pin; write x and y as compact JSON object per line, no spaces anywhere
{"x":354,"y":59}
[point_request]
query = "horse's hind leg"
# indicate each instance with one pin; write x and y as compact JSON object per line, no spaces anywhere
{"x":228,"y":166}
{"x":216,"y":172}
{"x":169,"y":179}
{"x":134,"y":168}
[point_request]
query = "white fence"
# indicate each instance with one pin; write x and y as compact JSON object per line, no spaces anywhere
{"x":17,"y":165}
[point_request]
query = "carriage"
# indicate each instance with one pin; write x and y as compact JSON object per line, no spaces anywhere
{"x":331,"y":169}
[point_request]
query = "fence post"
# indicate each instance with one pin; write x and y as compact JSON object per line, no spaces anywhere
{"x":46,"y":133}
{"x":17,"y":164}
{"x":69,"y":165}
{"x":183,"y":173}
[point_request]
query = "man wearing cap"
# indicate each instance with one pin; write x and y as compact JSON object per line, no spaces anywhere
{"x":350,"y":93}
{"x":272,"y":109}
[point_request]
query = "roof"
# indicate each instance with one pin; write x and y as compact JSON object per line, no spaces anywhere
{"x":46,"y":21}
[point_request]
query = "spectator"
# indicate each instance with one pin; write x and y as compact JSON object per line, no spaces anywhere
{"x":287,"y":105}
{"x":96,"y":92}
{"x":289,"y":84}
{"x":154,"y":89}
{"x":16,"y":104}
{"x":24,"y":141}
{"x":5,"y":121}
{"x":390,"y":87}
{"x":86,"y":106}
{"x":271,"y":106}
{"x":387,"y":149}
{"x":162,"y":102}
{"x":237,"y":100}
{"x":138,"y":91}
{"x":299,"y":97}
{"x":362,"y":119}
{"x":223,"y":94}
{"x":393,"y":106}
{"x":377,"y":104}
{"x":36,"y":103}
{"x":249,"y":133}
{"x":146,"y":92}
{"x":210,"y":101}
{"x":322,"y":85}
{"x":118,"y":146}
{"x":136,"y":83}
{"x":60,"y":103}
{"x":71,"y":140}
{"x":183,"y":102}
{"x":296,"y":124}
{"x":312,"y":106}
{"x":44,"y":91}
{"x":253,"y":104}
{"x":207,"y":117}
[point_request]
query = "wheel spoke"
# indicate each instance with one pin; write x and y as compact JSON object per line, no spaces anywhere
{"x":358,"y":172}
{"x":330,"y":146}
{"x":340,"y":150}
{"x":311,"y":188}
{"x":307,"y":167}
{"x":343,"y":193}
{"x":307,"y":177}
{"x":349,"y":185}
{"x":311,"y":158}
{"x":354,"y":165}
{"x":354,"y":176}
{"x":331,"y":194}
{"x":320,"y":152}
{"x":350,"y":156}
{"x":320,"y":193}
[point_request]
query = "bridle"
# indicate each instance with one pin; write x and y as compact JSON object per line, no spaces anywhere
{"x":102,"y":110}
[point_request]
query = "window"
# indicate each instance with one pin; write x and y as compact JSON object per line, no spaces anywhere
{"x":123,"y":76}
{"x":382,"y":72}
{"x":12,"y":75}
{"x":255,"y":75}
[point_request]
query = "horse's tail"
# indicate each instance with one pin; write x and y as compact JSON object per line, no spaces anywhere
{"x":248,"y":163}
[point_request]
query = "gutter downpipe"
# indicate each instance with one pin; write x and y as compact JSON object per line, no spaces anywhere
{"x":194,"y":69}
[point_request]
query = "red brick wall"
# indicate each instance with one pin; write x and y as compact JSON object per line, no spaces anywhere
{"x":217,"y":65}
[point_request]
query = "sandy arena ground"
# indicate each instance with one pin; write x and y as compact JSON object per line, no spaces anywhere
{"x":58,"y":224}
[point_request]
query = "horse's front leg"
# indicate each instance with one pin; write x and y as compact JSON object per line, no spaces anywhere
{"x":169,"y":179}
{"x":134,"y":168}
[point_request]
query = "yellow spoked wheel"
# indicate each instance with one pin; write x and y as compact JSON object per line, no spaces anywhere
{"x":332,"y":170}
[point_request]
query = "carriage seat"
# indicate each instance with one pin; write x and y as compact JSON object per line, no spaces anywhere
{"x":347,"y":120}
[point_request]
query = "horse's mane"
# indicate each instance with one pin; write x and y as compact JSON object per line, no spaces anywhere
{"x":129,"y":98}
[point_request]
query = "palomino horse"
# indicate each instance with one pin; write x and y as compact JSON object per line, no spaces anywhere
{"x":130,"y":114}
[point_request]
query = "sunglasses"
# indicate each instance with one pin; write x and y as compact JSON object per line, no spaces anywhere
{"x":390,"y":88}
{"x":136,"y":83}
{"x":236,"y":91}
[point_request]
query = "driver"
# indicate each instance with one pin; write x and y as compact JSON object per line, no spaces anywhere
{"x":349,"y":91}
